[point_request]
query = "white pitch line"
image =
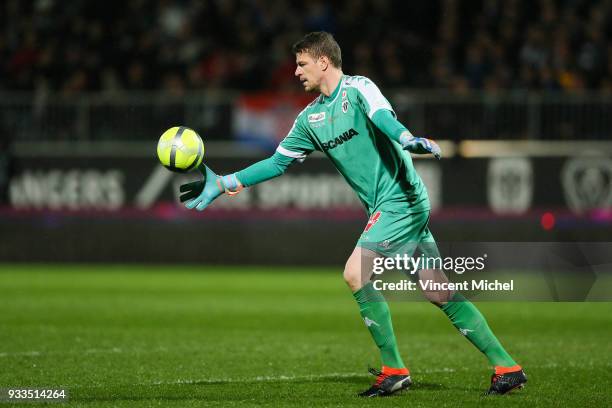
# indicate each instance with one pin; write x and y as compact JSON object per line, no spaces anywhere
{"x":117,"y":350}
{"x":21,"y":353}
{"x":331,"y":376}
{"x":279,"y":378}
{"x":312,"y":377}
{"x":113,"y":350}
{"x":289,"y":378}
{"x":264,"y":378}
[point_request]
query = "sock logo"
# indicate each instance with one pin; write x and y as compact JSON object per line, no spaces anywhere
{"x":465,"y":331}
{"x":370,"y":322}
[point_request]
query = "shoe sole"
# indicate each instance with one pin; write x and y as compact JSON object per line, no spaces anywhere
{"x":399,"y":386}
{"x":516,"y":387}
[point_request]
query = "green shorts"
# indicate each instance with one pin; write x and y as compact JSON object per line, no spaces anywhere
{"x":390,"y":233}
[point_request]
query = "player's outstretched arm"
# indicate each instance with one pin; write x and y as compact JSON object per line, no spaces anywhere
{"x":199,"y":194}
{"x":385,"y":121}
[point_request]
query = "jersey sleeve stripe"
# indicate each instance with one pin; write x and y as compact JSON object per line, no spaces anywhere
{"x":289,"y":153}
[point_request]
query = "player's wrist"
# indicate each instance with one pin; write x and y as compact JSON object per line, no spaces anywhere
{"x":229,"y":184}
{"x":405,"y":138}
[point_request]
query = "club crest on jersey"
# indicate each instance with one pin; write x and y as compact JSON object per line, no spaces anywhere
{"x":344,"y":106}
{"x":345,"y":103}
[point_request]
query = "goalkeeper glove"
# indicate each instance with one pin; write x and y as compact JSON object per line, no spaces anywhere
{"x":419,"y":145}
{"x":199,"y":194}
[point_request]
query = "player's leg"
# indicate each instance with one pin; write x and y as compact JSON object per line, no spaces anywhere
{"x":372,"y":306}
{"x":466,"y":317}
{"x":377,"y":318}
{"x":471,"y":323}
{"x":468,"y":320}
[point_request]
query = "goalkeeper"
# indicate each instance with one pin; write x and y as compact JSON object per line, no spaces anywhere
{"x":352,"y":123}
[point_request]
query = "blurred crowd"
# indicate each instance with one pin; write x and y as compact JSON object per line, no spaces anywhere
{"x":179,"y":45}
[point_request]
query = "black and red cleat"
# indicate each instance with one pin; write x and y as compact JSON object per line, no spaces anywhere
{"x":502,"y":383}
{"x":389,"y":381}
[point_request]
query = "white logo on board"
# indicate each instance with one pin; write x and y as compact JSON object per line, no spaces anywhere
{"x":587,"y":183}
{"x":510,"y":184}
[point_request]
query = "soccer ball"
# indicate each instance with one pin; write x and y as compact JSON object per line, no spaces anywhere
{"x":180,"y":149}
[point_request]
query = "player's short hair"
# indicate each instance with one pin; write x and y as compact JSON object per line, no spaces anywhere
{"x":320,"y":44}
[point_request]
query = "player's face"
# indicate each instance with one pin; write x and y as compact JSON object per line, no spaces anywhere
{"x":309,"y":71}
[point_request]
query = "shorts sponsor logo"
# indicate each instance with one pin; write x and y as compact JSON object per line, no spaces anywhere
{"x":373,"y":220}
{"x":385,"y":244}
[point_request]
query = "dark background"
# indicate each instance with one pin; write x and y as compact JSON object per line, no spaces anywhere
{"x":518,"y":93}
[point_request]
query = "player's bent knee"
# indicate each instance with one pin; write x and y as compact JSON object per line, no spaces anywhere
{"x":352,"y":271}
{"x":352,"y":277}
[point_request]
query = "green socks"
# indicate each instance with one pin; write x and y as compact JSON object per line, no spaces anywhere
{"x":472,"y":324}
{"x":461,"y":312}
{"x":377,"y":317}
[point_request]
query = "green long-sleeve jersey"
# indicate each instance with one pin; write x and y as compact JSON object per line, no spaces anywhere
{"x":341,"y":126}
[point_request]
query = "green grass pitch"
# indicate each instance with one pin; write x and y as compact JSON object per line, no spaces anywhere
{"x":127,"y":336}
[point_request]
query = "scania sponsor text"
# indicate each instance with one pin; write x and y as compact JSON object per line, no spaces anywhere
{"x":344,"y":137}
